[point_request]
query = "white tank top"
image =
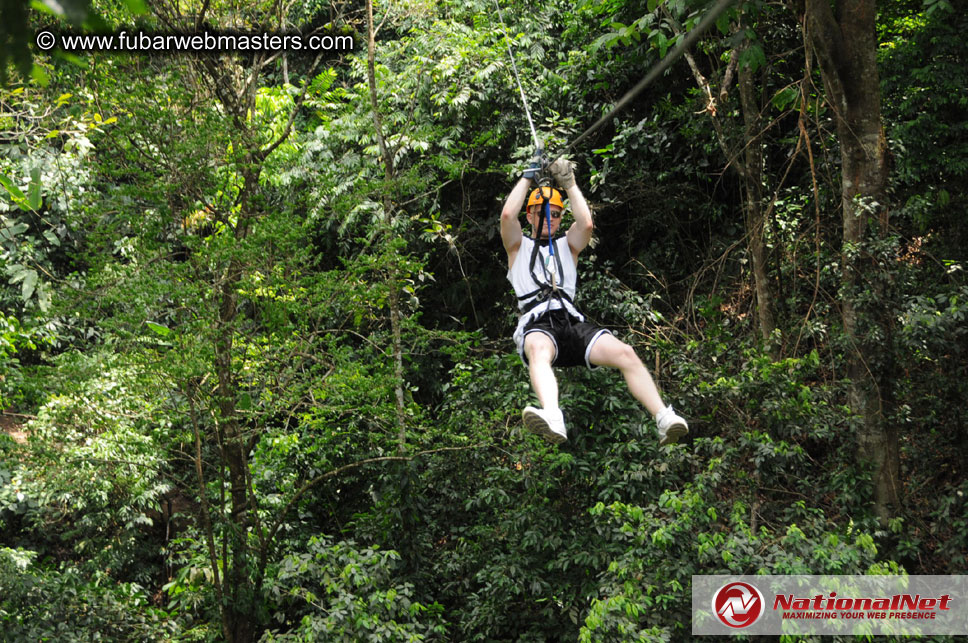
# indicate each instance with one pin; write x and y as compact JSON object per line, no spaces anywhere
{"x":523,"y":282}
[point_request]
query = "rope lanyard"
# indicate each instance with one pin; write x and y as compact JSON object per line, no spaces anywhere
{"x":514,"y":68}
{"x":546,"y":206}
{"x":551,"y":268}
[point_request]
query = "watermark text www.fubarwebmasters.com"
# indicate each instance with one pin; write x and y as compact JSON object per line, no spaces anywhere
{"x":194,"y":42}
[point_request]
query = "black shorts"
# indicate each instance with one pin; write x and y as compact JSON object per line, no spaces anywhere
{"x":573,"y":339}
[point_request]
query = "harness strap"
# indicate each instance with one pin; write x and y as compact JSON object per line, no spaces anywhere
{"x":542,"y":293}
{"x":547,"y":290}
{"x":549,"y":280}
{"x":549,"y":275}
{"x":548,"y":296}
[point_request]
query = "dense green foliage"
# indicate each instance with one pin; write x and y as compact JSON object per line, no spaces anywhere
{"x":205,"y":432}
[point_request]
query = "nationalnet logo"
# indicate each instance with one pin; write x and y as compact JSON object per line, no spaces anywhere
{"x":830,"y":605}
{"x":898,"y":606}
{"x":738,"y":605}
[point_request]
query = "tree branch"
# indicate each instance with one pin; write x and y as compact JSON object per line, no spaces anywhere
{"x":206,"y":518}
{"x":265,"y":152}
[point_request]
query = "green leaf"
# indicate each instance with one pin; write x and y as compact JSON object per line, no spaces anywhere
{"x":14,"y":230}
{"x":74,"y":10}
{"x":30,"y":283}
{"x":42,"y":7}
{"x":753,"y":57}
{"x":136,"y":7}
{"x":786,"y":96}
{"x":18,"y":272}
{"x":164,"y":331}
{"x":73,"y":59}
{"x":52,"y":238}
{"x":323,"y":81}
{"x":39,"y":74}
{"x":34,"y":199}
{"x":43,"y":298}
{"x":608,"y":40}
{"x":660,"y":41}
{"x":11,"y":187}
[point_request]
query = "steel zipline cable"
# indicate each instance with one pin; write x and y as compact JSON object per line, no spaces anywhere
{"x":647,"y":80}
{"x":656,"y":71}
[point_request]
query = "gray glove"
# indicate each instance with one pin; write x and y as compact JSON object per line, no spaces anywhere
{"x":564,"y":172}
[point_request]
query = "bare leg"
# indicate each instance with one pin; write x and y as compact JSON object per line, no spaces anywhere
{"x":541,"y":351}
{"x":610,"y":351}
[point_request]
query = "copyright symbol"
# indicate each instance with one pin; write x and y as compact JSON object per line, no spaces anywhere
{"x":46,"y":40}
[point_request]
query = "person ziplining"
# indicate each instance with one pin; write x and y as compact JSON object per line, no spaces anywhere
{"x":542,"y":269}
{"x":551,"y":331}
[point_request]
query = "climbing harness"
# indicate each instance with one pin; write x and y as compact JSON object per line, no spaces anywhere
{"x":549,"y":283}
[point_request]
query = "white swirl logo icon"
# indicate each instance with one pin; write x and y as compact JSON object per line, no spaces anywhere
{"x":738,"y":604}
{"x":46,"y":40}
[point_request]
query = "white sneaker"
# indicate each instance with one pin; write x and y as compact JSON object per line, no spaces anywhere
{"x":671,"y":426}
{"x":548,"y":423}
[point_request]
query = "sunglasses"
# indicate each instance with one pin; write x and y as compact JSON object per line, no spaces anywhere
{"x":555,"y":214}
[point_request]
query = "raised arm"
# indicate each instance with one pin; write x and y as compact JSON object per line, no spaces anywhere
{"x":580,"y":233}
{"x":510,"y":218}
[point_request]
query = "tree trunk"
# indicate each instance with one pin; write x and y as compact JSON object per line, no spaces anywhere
{"x":241,"y":590}
{"x":844,"y":41}
{"x":755,"y":216}
{"x":394,"y":299}
{"x":239,"y":562}
{"x":750,"y":171}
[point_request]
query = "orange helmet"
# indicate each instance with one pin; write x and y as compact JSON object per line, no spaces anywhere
{"x":553,"y":196}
